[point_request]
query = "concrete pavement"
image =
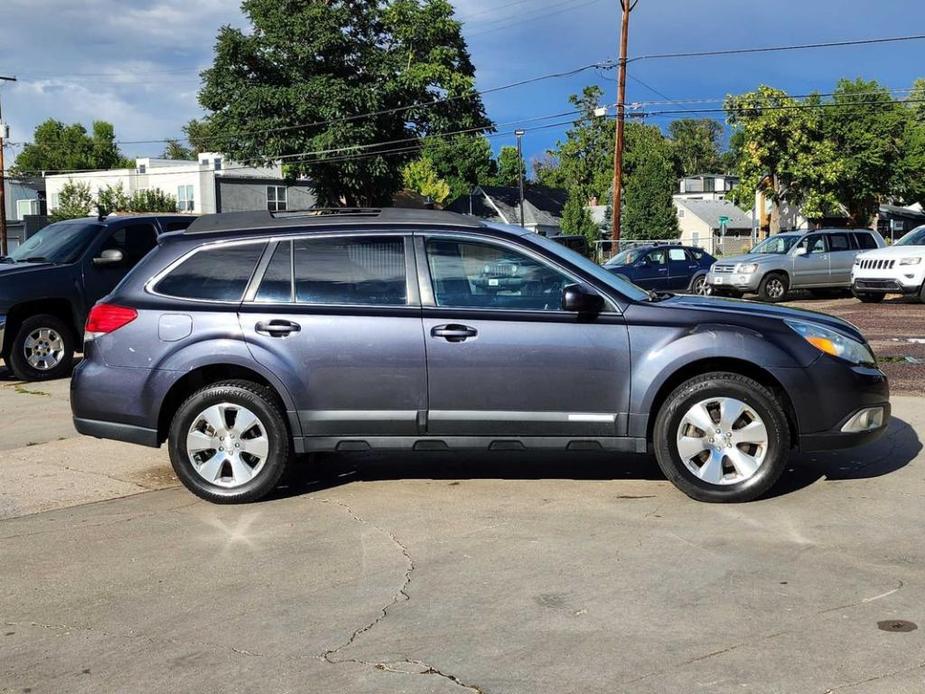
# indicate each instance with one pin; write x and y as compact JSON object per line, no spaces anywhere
{"x":491,"y":573}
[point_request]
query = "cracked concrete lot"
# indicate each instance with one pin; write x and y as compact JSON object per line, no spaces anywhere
{"x":462,"y":573}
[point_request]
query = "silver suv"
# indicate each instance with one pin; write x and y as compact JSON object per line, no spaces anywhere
{"x":814,"y":260}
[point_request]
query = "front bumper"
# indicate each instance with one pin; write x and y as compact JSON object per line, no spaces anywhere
{"x":836,"y":438}
{"x":871,"y":285}
{"x":733,"y":280}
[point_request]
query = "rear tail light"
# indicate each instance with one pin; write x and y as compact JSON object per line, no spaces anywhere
{"x":106,"y":318}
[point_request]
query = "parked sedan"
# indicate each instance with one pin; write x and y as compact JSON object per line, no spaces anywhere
{"x":813,"y":260}
{"x":664,"y":268}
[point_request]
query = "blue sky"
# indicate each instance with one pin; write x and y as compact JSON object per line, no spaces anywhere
{"x":135,"y":63}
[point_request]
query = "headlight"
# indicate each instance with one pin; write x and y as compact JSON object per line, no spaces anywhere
{"x":833,"y":343}
{"x":910,"y":261}
{"x":747,"y":268}
{"x":857,"y":260}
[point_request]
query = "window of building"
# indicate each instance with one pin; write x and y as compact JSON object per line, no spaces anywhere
{"x":276,"y":199}
{"x":142,"y":168}
{"x":217,"y":163}
{"x":24,"y":207}
{"x":216,"y":274}
{"x":366,"y":270}
{"x":472,"y":274}
{"x":185,"y":201}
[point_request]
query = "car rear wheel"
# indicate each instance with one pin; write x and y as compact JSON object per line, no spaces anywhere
{"x":229,"y":442}
{"x":42,"y":349}
{"x":774,"y":287}
{"x":699,"y":285}
{"x":722,"y":437}
{"x":868,"y":298}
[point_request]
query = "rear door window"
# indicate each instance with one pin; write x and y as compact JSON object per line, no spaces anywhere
{"x":213,"y":274}
{"x":865,"y":241}
{"x":839,"y":242}
{"x":351,"y":270}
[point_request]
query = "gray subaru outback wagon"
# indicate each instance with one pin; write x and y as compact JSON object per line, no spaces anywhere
{"x":251,"y":338}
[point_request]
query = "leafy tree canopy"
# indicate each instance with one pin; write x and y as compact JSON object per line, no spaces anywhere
{"x":298,"y":79}
{"x":696,"y":146}
{"x":510,"y":167}
{"x":56,"y":146}
{"x":463,"y":161}
{"x":649,"y":182}
{"x":421,"y":177}
{"x":74,"y":200}
{"x":175,"y":150}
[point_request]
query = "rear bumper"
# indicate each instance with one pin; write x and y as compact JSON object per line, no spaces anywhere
{"x":117,"y":432}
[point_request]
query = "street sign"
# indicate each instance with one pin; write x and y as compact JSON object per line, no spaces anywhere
{"x":724,"y":220}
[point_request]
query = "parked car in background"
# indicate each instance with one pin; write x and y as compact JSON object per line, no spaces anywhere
{"x":49,"y":284}
{"x":814,"y":260}
{"x":664,"y":267}
{"x":252,"y":337}
{"x":896,"y":269}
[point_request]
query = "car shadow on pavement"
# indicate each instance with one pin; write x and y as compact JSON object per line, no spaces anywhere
{"x":898,"y":447}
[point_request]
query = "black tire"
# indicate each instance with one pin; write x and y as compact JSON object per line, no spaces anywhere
{"x":869,"y":298}
{"x":922,"y":294}
{"x":262,"y":402}
{"x":699,"y":285}
{"x":774,"y":287}
{"x":722,"y":384}
{"x":18,"y":359}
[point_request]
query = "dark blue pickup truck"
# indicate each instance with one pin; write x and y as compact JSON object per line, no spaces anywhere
{"x":49,"y":284}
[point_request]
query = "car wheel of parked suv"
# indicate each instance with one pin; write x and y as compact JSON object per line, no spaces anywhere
{"x":722,"y":437}
{"x":43,"y":349}
{"x":870,"y":298}
{"x":699,"y":285}
{"x":229,"y":442}
{"x":774,"y":287}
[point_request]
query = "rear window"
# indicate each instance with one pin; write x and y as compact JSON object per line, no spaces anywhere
{"x":865,"y":241}
{"x":213,"y":274}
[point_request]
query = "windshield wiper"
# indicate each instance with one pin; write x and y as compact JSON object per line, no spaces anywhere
{"x":6,"y":259}
{"x":36,"y":259}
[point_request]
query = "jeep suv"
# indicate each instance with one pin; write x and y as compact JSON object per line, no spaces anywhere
{"x":252,"y":337}
{"x":49,"y":283}
{"x":816,"y":260}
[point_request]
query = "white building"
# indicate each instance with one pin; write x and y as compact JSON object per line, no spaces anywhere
{"x":717,"y":226}
{"x":706,"y":186}
{"x":209,"y":184}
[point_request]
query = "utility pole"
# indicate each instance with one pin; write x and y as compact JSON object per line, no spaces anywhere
{"x":627,"y":6}
{"x":520,"y":171}
{"x":3,"y":242}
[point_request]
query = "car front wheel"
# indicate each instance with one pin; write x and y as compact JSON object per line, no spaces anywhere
{"x":722,"y":437}
{"x":42,"y":349}
{"x":774,"y":287}
{"x":229,"y":442}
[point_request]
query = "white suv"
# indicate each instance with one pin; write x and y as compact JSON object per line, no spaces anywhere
{"x":896,"y":269}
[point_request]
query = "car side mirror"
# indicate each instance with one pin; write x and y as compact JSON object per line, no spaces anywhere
{"x":800,"y":251}
{"x":580,"y":300}
{"x":111,"y":256}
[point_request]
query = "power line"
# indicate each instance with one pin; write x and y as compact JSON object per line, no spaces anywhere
{"x":781,"y":107}
{"x":772,"y":49}
{"x":566,"y":6}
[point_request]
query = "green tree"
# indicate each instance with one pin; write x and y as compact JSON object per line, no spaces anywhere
{"x":649,"y":182}
{"x":463,"y":161}
{"x":783,"y":151}
{"x":695,"y":144}
{"x":583,"y":162}
{"x":111,"y":199}
{"x":510,"y":167}
{"x":74,"y":200}
{"x":199,"y":135}
{"x":910,"y":177}
{"x":175,"y":150}
{"x":297,"y":81}
{"x":867,"y":129}
{"x":577,"y":221}
{"x":152,"y":200}
{"x":421,"y":177}
{"x":59,"y":147}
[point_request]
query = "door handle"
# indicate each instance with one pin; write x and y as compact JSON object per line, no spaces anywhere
{"x":453,"y":332}
{"x":277,"y":328}
{"x":663,"y":269}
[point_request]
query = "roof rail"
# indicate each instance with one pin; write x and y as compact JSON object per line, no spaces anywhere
{"x":264,"y":219}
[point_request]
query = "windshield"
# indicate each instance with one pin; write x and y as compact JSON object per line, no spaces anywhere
{"x":623,"y":258}
{"x":776,"y":244}
{"x":62,"y":242}
{"x":618,"y":282}
{"x":916,"y":237}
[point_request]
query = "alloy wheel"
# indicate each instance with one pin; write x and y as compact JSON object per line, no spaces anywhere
{"x":43,"y":349}
{"x":775,"y":288}
{"x":722,"y":441}
{"x":701,"y":286}
{"x":227,"y":445}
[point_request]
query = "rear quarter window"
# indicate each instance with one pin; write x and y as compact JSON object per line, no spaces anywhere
{"x":213,"y":274}
{"x":865,"y":241}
